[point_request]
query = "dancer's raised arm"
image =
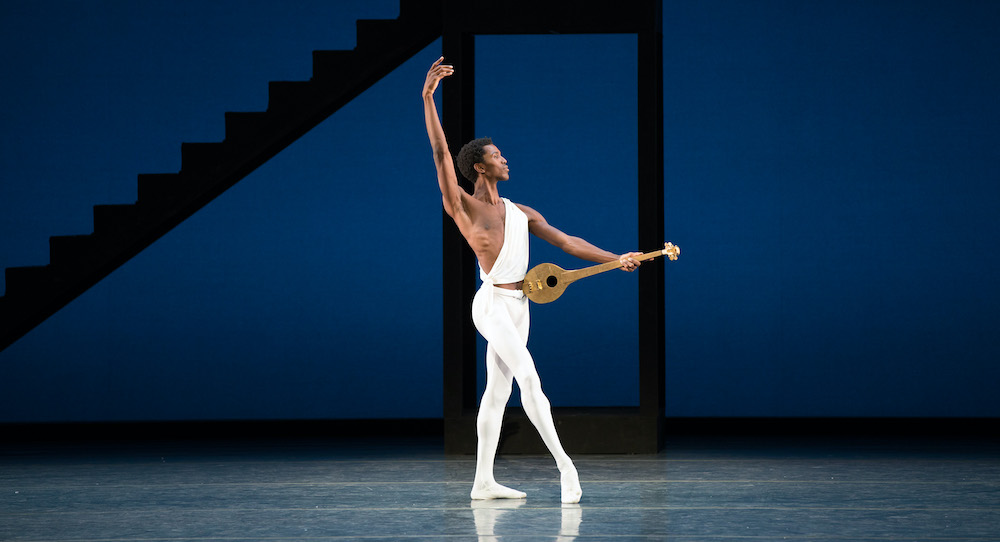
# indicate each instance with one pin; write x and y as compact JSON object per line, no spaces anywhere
{"x":451,"y":192}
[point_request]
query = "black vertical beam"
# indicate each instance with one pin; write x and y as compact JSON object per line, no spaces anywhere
{"x":652,"y":345}
{"x":458,"y":120}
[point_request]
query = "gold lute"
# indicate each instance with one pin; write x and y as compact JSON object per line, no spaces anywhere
{"x":545,"y":282}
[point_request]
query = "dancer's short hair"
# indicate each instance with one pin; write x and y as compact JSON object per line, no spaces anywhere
{"x":471,"y":154}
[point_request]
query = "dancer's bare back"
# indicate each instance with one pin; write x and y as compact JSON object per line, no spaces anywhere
{"x":481,"y":223}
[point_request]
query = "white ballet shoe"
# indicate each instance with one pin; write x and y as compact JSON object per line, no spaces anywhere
{"x":570,"y":482}
{"x":495,"y":491}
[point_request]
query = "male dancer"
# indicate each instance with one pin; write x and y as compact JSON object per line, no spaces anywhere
{"x":497,"y":230}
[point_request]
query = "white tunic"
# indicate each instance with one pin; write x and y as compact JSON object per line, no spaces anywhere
{"x":512,"y":262}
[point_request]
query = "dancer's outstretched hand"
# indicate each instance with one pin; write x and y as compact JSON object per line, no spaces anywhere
{"x":437,"y":72}
{"x":627,"y":262}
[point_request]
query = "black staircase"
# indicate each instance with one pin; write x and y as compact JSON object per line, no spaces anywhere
{"x":77,"y":262}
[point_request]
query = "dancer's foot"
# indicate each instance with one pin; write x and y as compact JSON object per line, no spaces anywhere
{"x":495,"y":491}
{"x":570,"y":482}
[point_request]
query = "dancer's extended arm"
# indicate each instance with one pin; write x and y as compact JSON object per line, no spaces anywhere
{"x":575,"y":246}
{"x":451,"y":192}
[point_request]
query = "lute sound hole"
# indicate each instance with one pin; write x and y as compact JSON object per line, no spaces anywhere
{"x":552,"y":281}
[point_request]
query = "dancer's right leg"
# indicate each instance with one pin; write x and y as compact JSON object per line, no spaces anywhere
{"x":488,"y":424}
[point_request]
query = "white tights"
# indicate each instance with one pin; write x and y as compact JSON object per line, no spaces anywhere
{"x":505,"y":328}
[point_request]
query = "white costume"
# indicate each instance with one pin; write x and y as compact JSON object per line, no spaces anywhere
{"x":501,"y":316}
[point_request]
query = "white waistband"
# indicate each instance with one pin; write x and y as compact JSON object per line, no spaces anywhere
{"x":517,"y":294}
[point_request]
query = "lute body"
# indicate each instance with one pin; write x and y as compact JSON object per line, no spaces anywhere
{"x":545,"y":282}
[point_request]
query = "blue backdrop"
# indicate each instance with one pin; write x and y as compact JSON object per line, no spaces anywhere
{"x":830,"y":176}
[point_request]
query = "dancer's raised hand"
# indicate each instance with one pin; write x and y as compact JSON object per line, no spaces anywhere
{"x":437,"y":72}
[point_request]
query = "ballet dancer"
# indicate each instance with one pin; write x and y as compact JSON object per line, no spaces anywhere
{"x":497,"y":231}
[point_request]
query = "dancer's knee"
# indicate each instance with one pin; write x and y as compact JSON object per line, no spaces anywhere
{"x":497,"y":394}
{"x":530,"y":384}
{"x":532,"y":397}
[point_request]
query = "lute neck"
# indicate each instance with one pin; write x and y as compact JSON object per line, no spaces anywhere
{"x":578,"y":274}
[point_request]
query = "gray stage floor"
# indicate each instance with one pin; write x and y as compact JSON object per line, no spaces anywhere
{"x":695,"y":490}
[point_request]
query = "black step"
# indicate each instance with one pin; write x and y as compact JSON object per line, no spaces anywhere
{"x":334,"y":65}
{"x":422,"y":11}
{"x":203,"y":157}
{"x":158,"y":189}
{"x":70,"y":250}
{"x":121,"y":220}
{"x":243,"y":126}
{"x":29,"y":281}
{"x":287,"y":97}
{"x":381,"y":34}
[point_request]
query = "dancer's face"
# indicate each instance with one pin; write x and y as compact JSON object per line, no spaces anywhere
{"x":494,"y":166}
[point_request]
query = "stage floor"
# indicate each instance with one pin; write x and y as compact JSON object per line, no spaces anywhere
{"x":697,"y":489}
